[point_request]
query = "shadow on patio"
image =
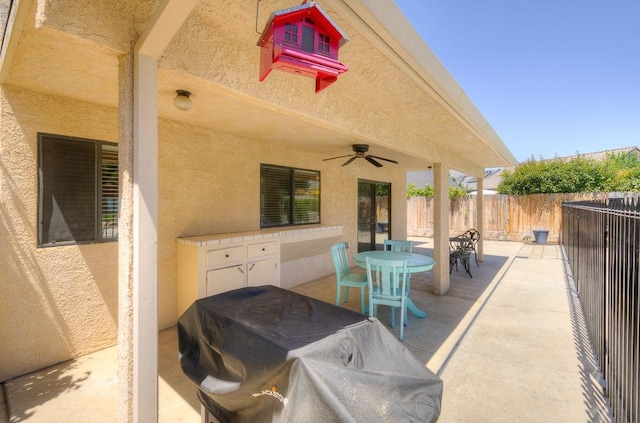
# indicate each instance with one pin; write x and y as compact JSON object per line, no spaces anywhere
{"x":506,"y":342}
{"x":432,"y":339}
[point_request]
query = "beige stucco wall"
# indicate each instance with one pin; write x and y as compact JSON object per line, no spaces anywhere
{"x":55,"y":302}
{"x":209,"y":182}
{"x":61,"y":302}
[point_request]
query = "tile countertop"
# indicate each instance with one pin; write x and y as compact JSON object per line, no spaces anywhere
{"x":285,"y":235}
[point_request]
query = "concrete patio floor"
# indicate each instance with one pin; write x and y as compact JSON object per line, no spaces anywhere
{"x":510,"y":345}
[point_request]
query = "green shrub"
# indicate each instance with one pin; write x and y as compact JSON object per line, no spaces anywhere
{"x":618,"y":172}
{"x":427,"y":191}
{"x":413,"y":191}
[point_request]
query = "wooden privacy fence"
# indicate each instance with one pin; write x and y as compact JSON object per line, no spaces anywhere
{"x":506,"y":217}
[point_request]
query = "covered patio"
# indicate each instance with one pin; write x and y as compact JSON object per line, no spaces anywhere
{"x":510,"y":345}
{"x":100,"y":79}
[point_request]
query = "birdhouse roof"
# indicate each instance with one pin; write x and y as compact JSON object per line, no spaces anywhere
{"x":311,"y":9}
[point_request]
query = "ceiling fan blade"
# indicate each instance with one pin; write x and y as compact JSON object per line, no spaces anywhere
{"x":337,"y":157}
{"x":387,"y":160}
{"x":349,"y":161}
{"x":373,"y":162}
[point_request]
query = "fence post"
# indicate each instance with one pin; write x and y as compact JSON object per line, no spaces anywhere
{"x":480,"y":217}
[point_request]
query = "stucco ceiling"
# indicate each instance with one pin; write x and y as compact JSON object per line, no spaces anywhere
{"x":214,"y":55}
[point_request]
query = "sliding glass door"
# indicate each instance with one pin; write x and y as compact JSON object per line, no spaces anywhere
{"x":374,"y":214}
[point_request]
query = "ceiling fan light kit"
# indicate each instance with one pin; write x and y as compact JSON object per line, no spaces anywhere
{"x":360,"y":151}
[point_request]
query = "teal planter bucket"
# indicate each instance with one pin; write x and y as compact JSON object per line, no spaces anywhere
{"x":540,"y":236}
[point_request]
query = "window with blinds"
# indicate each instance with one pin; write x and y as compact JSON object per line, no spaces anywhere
{"x":288,"y":196}
{"x":77,"y":191}
{"x":108,"y":193}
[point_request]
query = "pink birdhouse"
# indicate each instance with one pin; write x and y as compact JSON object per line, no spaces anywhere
{"x":305,"y":41}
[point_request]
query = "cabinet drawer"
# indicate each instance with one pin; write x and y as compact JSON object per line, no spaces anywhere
{"x":261,"y":249}
{"x":224,"y":256}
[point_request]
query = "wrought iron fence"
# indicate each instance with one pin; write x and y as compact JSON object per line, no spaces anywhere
{"x":602,"y":241}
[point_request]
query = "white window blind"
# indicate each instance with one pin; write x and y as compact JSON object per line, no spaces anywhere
{"x":288,"y":196}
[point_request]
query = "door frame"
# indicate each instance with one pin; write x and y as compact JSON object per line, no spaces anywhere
{"x":373,"y":245}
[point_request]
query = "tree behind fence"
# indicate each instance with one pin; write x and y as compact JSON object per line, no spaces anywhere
{"x":506,"y":217}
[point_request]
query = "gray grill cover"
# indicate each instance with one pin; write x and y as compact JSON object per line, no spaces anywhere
{"x":265,"y":354}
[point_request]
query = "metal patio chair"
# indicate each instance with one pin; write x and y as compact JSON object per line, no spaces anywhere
{"x":474,"y":236}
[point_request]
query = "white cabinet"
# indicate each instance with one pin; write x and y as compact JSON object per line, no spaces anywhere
{"x":224,"y":257}
{"x":263,"y":272}
{"x":209,"y":265}
{"x":262,"y":267}
{"x":262,"y":249}
{"x":226,"y":279}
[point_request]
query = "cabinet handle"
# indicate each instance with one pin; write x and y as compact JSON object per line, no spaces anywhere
{"x":226,"y":255}
{"x":264,"y":249}
{"x":240,"y":269}
{"x":252,"y":266}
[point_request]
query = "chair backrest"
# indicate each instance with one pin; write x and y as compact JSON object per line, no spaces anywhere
{"x":473,"y":235}
{"x":385,"y":277}
{"x":398,"y":245}
{"x":461,"y":243}
{"x":457,"y":242}
{"x":340,"y":259}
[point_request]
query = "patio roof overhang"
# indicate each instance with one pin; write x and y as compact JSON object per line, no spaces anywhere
{"x":405,"y":103}
{"x":410,"y":108}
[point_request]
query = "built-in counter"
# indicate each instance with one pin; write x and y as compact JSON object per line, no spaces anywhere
{"x":210,"y":264}
{"x":308,"y":241}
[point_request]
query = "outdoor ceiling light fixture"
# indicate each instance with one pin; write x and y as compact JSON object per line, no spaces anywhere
{"x":183,"y":100}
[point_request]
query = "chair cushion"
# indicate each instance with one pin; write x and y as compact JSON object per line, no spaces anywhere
{"x":354,"y":277}
{"x":377,"y":294}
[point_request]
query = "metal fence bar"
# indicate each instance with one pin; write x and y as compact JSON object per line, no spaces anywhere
{"x":616,"y":279}
{"x":584,"y":232}
{"x":602,"y":241}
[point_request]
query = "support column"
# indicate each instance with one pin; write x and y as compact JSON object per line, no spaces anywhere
{"x":140,"y":318}
{"x":441,"y":278}
{"x":145,"y":240}
{"x":125,"y":238}
{"x":480,"y":216}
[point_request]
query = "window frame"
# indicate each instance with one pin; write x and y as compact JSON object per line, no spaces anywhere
{"x":324,"y":44}
{"x":101,"y":157}
{"x":292,"y":221}
{"x":290,"y":32}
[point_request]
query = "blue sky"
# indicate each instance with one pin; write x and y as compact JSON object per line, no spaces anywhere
{"x":551,"y":77}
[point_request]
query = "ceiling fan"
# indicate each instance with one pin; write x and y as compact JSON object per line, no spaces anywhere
{"x":360,"y":151}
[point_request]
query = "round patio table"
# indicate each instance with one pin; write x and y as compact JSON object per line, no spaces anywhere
{"x":415,"y":263}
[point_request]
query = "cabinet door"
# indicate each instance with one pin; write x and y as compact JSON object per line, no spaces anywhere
{"x":222,"y":280}
{"x":263,"y":272}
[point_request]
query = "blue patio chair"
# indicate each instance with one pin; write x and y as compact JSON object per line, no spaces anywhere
{"x":344,"y":277}
{"x":388,"y":286}
{"x":398,"y":245}
{"x":402,"y":246}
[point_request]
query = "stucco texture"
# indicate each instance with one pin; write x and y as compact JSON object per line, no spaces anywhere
{"x":209,"y":183}
{"x":57,"y":302}
{"x":61,"y":75}
{"x":61,"y":302}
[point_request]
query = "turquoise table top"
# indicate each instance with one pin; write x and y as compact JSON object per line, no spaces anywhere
{"x":415,"y":262}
